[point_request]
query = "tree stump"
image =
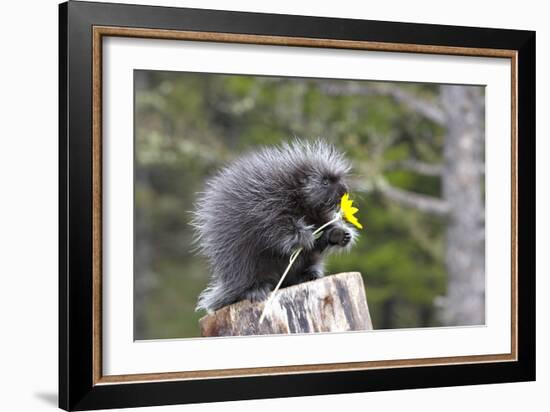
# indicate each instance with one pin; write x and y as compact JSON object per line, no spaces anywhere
{"x":335,"y":303}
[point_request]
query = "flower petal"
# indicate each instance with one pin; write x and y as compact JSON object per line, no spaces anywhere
{"x":348,"y":211}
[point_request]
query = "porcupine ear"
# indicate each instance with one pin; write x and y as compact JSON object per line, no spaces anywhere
{"x":303,"y":180}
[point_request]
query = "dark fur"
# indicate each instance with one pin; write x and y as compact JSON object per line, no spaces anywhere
{"x":256,"y":211}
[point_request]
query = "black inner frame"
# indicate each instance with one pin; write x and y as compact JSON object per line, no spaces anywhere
{"x":76,"y":389}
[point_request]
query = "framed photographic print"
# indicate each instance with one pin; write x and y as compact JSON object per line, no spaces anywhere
{"x":257,"y":205}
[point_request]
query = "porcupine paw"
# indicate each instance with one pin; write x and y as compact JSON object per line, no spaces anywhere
{"x":258,"y":294}
{"x":347,"y":238}
{"x":311,"y":274}
{"x":339,"y":236}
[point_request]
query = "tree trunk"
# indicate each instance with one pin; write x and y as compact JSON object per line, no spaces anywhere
{"x":334,"y":303}
{"x":464,"y":303}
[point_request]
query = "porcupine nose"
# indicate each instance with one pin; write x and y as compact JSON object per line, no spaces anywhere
{"x":342,"y":189}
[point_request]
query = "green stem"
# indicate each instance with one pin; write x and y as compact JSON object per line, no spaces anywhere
{"x":293,"y":257}
{"x":327,"y":224}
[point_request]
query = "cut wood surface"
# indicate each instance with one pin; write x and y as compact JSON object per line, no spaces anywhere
{"x":335,"y":303}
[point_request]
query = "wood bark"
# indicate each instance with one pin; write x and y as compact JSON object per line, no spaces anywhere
{"x":335,"y":303}
{"x":464,"y":303}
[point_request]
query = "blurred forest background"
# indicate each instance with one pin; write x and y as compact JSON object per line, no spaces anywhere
{"x":418,"y":157}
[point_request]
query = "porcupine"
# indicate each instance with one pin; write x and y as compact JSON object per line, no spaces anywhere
{"x":256,"y":211}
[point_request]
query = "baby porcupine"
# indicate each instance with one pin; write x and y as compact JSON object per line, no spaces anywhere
{"x":259,"y":209}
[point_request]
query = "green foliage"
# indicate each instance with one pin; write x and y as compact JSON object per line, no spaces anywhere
{"x":189,"y":124}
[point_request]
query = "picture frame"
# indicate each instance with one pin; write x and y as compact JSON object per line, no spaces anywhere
{"x":84,"y":26}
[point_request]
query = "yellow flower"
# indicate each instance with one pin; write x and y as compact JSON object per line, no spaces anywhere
{"x":348,"y":211}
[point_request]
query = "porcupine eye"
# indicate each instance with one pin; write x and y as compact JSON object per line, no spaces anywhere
{"x":325,"y":181}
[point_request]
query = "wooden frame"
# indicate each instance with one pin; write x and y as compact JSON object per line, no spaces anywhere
{"x":82,"y":27}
